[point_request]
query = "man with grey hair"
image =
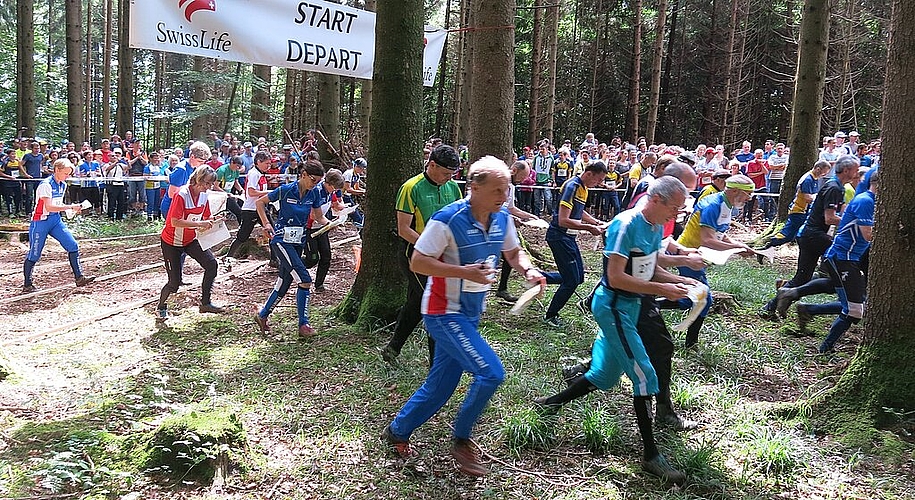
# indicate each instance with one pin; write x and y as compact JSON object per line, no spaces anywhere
{"x":459,"y":252}
{"x":813,"y":238}
{"x":631,"y":271}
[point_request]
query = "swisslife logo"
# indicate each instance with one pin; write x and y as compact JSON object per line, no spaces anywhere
{"x":206,"y":40}
{"x":192,"y":6}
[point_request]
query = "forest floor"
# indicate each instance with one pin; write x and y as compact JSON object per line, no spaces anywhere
{"x":80,"y":399}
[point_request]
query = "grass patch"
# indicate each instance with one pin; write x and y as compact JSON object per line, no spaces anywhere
{"x":529,"y":429}
{"x":600,"y":432}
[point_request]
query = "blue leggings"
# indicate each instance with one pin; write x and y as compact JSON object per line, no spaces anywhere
{"x":459,"y":348}
{"x":39,"y":230}
{"x":618,"y":347}
{"x":292,"y":270}
{"x":570,"y":267}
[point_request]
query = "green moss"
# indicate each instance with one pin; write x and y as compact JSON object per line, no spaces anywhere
{"x":186,"y":446}
{"x":379,"y":306}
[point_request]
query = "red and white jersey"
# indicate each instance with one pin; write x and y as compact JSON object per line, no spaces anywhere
{"x":48,"y":188}
{"x":186,"y":208}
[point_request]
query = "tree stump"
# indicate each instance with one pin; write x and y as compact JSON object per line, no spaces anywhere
{"x":722,"y":302}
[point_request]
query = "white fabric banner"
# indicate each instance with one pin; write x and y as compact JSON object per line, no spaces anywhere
{"x":314,"y":36}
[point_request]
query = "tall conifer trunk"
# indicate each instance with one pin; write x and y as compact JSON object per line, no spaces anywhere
{"x":879,"y":381}
{"x":804,"y":139}
{"x":76,"y":130}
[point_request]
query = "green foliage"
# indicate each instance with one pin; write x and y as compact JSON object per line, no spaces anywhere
{"x":80,"y":466}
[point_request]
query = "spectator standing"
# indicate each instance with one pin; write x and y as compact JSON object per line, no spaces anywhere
{"x":777,"y":162}
{"x":115,"y":172}
{"x":30,"y":168}
{"x":542,"y":164}
{"x":151,"y":187}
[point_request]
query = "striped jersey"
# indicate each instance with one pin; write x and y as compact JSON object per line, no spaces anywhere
{"x":455,"y":237}
{"x":184,"y":207}
{"x":420,"y":197}
{"x":48,"y":188}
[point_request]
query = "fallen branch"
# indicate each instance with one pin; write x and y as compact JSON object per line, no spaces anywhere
{"x":118,"y":310}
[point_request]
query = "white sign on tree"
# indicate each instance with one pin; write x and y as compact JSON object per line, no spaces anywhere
{"x":316,"y":36}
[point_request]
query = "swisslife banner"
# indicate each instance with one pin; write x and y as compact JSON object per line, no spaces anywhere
{"x":316,"y":36}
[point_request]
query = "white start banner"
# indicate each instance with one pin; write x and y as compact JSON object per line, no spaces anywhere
{"x":314,"y":36}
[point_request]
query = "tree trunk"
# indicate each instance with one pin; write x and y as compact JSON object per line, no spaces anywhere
{"x":25,"y":66}
{"x":232,"y":95}
{"x":552,"y":40}
{"x":494,"y":85}
{"x":198,"y":124}
{"x":260,"y":100}
{"x":657,"y":58}
{"x":289,"y":107}
{"x":106,"y":71}
{"x":76,"y":131}
{"x":533,"y":114}
{"x":88,"y":69}
{"x":159,"y":98}
{"x":47,"y":74}
{"x":879,"y":376}
{"x":729,"y":72}
{"x":665,"y":95}
{"x":632,"y":118}
{"x":365,"y":95}
{"x":804,"y":139}
{"x":845,"y":72}
{"x":329,"y":111}
{"x":595,"y":67}
{"x":708,"y":129}
{"x":442,"y":70}
{"x":462,"y":118}
{"x":123,"y":117}
{"x":378,"y":290}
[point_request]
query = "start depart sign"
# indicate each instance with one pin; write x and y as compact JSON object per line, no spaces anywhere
{"x":314,"y":36}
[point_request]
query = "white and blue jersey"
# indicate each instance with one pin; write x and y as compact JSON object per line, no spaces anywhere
{"x":630,"y":235}
{"x":294,"y":211}
{"x":849,"y":243}
{"x":453,"y":236}
{"x":48,"y":188}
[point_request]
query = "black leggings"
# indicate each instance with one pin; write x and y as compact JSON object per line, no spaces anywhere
{"x":246,"y":226}
{"x":172,"y":256}
{"x":323,"y":242}
{"x":811,"y":247}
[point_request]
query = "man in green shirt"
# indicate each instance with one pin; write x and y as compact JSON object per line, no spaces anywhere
{"x":418,"y":198}
{"x":227,"y":180}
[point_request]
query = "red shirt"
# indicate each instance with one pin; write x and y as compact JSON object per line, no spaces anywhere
{"x":757,"y":166}
{"x":186,"y":208}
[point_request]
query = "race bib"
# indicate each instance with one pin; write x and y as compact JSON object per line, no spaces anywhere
{"x":195,"y":217}
{"x":293,"y":234}
{"x":643,"y":266}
